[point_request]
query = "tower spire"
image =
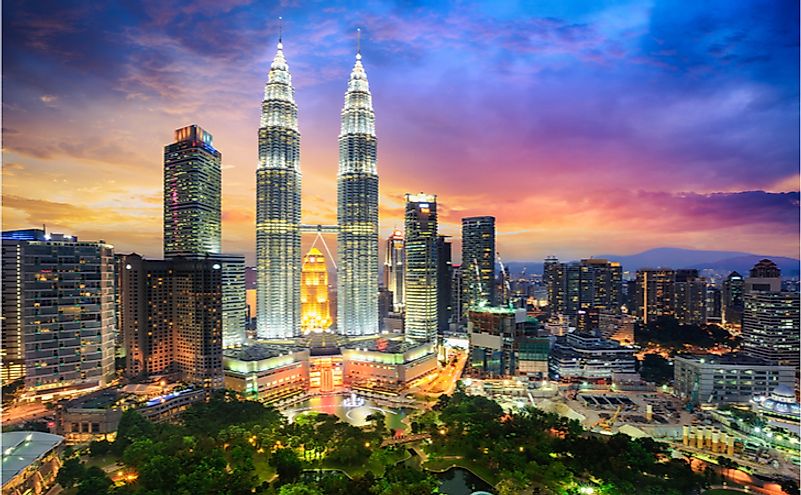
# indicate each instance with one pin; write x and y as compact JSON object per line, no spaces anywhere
{"x":280,"y":29}
{"x":358,"y":43}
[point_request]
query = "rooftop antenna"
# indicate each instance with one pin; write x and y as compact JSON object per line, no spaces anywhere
{"x":358,"y":42}
{"x":280,"y":29}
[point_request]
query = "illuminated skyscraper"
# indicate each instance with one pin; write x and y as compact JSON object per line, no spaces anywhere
{"x":192,"y":192}
{"x":171,"y":317}
{"x":394,"y":266}
{"x":315,"y":313}
{"x":478,"y":259}
{"x":192,"y":216}
{"x":357,"y":211}
{"x":58,"y":311}
{"x":421,"y":266}
{"x":732,"y":299}
{"x":278,"y":181}
{"x":656,"y":293}
{"x":690,"y":297}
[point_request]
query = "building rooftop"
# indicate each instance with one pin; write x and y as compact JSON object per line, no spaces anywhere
{"x":260,"y":351}
{"x":726,"y":359}
{"x":103,"y":399}
{"x":23,"y":448}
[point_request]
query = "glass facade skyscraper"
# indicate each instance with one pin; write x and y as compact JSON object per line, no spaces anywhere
{"x":357,"y":211}
{"x":192,"y":192}
{"x":394,"y":267}
{"x":193,"y":216}
{"x":478,"y":260}
{"x":278,"y":184}
{"x":421,"y":267}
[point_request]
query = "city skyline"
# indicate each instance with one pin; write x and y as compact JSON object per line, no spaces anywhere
{"x":582,"y":94}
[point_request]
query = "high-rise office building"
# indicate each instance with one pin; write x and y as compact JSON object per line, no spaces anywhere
{"x":771,"y":327}
{"x":765,"y":276}
{"x":478,"y":260}
{"x":591,"y":284}
{"x":192,"y":219}
{"x":394,"y":266}
{"x":444,"y":284}
{"x":714,"y":309}
{"x":58,"y":311}
{"x":731,"y":299}
{"x":656,"y":293}
{"x":314,"y":302}
{"x":172,"y":318}
{"x":278,"y":184}
{"x":553,"y":278}
{"x":192,"y":192}
{"x":234,"y":298}
{"x":690,"y":297}
{"x":458,"y":293}
{"x":357,"y":211}
{"x":421,"y":266}
{"x":770,"y":317}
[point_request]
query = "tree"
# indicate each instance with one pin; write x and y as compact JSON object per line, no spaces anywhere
{"x":656,"y":369}
{"x":403,"y":480}
{"x":11,"y":390}
{"x":299,"y":489}
{"x":133,"y":426}
{"x":99,"y":447}
{"x":71,"y":472}
{"x":94,"y":482}
{"x":139,"y":452}
{"x":378,"y":421}
{"x":287,"y":465}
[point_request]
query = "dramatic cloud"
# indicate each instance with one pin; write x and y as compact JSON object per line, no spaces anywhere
{"x":584,"y":128}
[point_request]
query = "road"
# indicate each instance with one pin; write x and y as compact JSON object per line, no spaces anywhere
{"x":444,"y":382}
{"x":19,"y":413}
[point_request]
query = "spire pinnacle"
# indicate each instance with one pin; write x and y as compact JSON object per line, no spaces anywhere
{"x":280,"y":29}
{"x":358,"y":43}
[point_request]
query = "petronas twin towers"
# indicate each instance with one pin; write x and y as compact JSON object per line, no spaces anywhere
{"x":278,"y":208}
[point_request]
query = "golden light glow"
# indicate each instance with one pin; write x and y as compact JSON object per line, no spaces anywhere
{"x":314,"y":307}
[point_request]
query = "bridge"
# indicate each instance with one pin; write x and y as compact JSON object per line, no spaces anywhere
{"x":318,"y":229}
{"x":404,"y":439}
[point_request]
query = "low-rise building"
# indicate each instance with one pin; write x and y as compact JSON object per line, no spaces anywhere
{"x":327,"y":363}
{"x":96,"y":416}
{"x":586,"y":356}
{"x":729,"y":378}
{"x":387,"y":364}
{"x":30,"y":461}
{"x":266,"y":373}
{"x":619,"y":327}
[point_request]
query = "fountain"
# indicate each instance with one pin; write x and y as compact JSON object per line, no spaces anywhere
{"x":353,"y":401}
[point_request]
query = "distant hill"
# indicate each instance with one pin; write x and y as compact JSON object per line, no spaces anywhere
{"x":681,"y":258}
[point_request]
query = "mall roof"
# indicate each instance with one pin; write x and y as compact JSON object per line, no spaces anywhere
{"x":22,"y":448}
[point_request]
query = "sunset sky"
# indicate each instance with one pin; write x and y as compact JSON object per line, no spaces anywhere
{"x":585,"y":127}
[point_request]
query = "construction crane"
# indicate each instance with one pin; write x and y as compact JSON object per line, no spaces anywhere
{"x":607,"y":424}
{"x":478,"y":298}
{"x":505,"y":277}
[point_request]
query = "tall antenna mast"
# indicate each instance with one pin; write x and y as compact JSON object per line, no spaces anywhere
{"x":359,"y":41}
{"x":280,"y":29}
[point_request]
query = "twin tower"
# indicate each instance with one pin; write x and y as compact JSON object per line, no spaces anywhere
{"x":278,"y":209}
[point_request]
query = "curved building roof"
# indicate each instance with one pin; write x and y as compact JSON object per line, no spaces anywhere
{"x":781,"y":401}
{"x":23,"y":448}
